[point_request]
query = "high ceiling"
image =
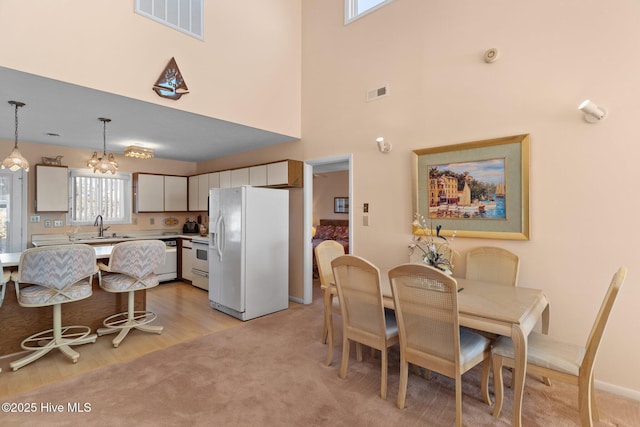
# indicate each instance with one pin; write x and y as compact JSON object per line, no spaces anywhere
{"x":72,"y":112}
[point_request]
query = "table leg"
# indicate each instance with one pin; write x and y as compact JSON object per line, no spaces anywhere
{"x":545,"y":331}
{"x":519,"y":372}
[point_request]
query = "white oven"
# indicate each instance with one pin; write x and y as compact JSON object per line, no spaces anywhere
{"x":200,"y":263}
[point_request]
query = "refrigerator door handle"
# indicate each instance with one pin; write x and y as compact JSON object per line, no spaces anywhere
{"x":218,"y":231}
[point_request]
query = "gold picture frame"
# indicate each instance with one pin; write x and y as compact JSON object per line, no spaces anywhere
{"x":493,"y":204}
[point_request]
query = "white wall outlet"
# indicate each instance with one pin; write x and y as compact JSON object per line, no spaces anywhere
{"x":365,"y":220}
{"x":57,"y":223}
{"x":47,"y":223}
{"x":34,"y":218}
{"x":152,"y":221}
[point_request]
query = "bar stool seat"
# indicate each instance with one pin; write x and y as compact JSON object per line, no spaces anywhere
{"x":52,"y":276}
{"x":132,"y":266}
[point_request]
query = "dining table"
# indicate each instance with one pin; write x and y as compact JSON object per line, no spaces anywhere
{"x":511,"y":311}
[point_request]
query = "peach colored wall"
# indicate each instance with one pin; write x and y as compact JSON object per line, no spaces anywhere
{"x":74,"y":158}
{"x":553,"y":55}
{"x":326,"y":186}
{"x":249,"y":60}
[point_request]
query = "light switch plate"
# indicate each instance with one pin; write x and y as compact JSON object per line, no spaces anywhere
{"x":34,"y":218}
{"x":57,"y":223}
{"x":47,"y":223}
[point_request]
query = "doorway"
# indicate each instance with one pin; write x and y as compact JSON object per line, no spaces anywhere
{"x":311,"y":168}
{"x":13,"y":211}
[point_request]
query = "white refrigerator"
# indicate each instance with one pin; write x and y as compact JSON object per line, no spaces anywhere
{"x":248,"y":250}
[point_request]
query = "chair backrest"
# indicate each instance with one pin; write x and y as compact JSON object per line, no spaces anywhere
{"x":137,"y":258}
{"x":426,"y":302}
{"x":360,"y":296}
{"x":593,"y":343}
{"x":493,"y":264}
{"x":57,"y":267}
{"x":326,"y":252}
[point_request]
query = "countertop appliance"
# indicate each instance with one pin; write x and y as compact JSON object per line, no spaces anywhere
{"x":200,"y":262}
{"x":248,"y":251}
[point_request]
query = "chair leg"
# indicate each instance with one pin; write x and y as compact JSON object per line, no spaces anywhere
{"x":345,"y":357}
{"x":131,"y":322}
{"x":404,"y":377}
{"x":326,"y":297}
{"x":498,"y":388}
{"x":383,"y":373}
{"x":585,"y":399}
{"x":328,"y":318}
{"x":58,"y":339}
{"x":486,"y":367}
{"x":458,"y":400}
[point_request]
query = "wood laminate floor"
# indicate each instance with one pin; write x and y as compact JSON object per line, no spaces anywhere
{"x":182,"y":309}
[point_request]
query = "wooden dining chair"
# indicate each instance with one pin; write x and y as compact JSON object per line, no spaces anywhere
{"x":493,"y":264}
{"x":364,"y":318}
{"x":426,"y":302}
{"x":571,"y":363}
{"x":4,"y":279}
{"x":326,"y":252}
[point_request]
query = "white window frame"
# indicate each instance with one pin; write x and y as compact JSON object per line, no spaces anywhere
{"x":351,"y":10}
{"x":127,"y":196}
{"x":141,"y":7}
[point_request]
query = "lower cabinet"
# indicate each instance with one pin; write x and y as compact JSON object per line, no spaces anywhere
{"x":187,"y":261}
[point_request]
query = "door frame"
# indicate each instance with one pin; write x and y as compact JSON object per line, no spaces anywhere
{"x":308,"y":217}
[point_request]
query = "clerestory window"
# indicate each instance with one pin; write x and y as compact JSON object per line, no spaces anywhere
{"x":182,"y":15}
{"x":354,"y":9}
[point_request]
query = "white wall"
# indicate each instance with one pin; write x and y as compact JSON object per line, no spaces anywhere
{"x":553,"y":55}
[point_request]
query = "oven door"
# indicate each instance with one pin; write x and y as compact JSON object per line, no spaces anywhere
{"x":200,"y":256}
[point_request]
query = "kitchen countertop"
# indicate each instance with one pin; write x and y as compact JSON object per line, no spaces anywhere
{"x":109,"y":239}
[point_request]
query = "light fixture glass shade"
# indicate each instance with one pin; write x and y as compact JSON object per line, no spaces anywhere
{"x":15,"y":161}
{"x":106,"y":163}
{"x":138,"y":152}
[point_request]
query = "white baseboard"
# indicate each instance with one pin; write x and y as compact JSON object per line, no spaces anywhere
{"x":620,"y":391}
{"x":295,"y":299}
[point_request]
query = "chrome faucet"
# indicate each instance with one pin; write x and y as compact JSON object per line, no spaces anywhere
{"x":100,"y":224}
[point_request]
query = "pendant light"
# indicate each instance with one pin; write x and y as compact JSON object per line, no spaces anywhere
{"x":16,"y":161}
{"x":106,"y":163}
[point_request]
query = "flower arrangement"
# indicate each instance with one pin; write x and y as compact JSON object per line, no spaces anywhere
{"x":434,"y":247}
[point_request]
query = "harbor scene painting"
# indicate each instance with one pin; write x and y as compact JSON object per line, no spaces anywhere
{"x":473,"y":189}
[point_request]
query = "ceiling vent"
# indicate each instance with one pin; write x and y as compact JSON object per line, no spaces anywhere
{"x":374,"y":94}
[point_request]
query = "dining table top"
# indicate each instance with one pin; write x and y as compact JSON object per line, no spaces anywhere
{"x":12,"y":259}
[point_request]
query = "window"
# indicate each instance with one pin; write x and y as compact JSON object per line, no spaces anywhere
{"x":354,"y":9}
{"x":182,"y":15}
{"x":93,"y":195}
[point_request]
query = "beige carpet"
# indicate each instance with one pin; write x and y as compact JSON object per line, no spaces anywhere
{"x":269,"y":372}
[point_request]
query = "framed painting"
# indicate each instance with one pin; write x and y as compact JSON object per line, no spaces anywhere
{"x":341,"y":205}
{"x":477,"y":189}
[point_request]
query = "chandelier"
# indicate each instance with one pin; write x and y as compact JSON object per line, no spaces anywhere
{"x":105,"y":163}
{"x":16,"y":161}
{"x":138,"y":152}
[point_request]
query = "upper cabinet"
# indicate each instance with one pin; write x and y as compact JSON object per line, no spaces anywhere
{"x":283,"y":174}
{"x":287,"y":173}
{"x":52,"y":188}
{"x":159,"y":193}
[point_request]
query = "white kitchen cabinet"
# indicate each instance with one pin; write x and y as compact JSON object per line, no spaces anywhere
{"x":239,"y":177}
{"x":149,"y":192}
{"x":52,"y":188}
{"x":187,"y":260}
{"x":194,"y":192}
{"x":214,"y":180}
{"x":287,"y":173}
{"x":203,"y":191}
{"x":225,"y":179}
{"x":160,"y":193}
{"x":258,"y":175}
{"x":175,"y":193}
